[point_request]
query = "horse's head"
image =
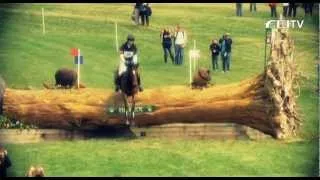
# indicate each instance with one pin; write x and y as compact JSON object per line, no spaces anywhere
{"x":132,"y":70}
{"x":130,"y":81}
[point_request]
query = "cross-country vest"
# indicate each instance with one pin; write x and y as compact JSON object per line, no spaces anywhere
{"x":128,"y":52}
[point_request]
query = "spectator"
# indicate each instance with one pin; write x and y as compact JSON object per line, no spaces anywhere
{"x":137,"y":8}
{"x":180,"y":40}
{"x":285,"y":9}
{"x":166,"y":36}
{"x":5,"y":163}
{"x":149,"y":11}
{"x":253,"y":7}
{"x":239,"y":9}
{"x":273,"y":8}
{"x":215,"y":51}
{"x":145,"y":12}
{"x":292,"y":9}
{"x":310,"y":5}
{"x":35,"y":172}
{"x":308,"y":8}
{"x":225,"y":44}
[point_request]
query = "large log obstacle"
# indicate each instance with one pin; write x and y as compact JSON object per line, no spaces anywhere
{"x":2,"y":89}
{"x":265,"y":102}
{"x":212,"y":131}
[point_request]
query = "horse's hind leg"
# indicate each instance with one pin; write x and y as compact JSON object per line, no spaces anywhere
{"x":132,"y":110}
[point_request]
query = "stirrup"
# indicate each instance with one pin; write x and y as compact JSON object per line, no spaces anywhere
{"x":117,"y":89}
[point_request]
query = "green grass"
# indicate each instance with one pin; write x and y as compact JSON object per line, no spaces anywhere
{"x":155,"y":157}
{"x":27,"y":58}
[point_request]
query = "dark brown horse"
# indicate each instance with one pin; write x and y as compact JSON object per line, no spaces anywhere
{"x":129,"y":87}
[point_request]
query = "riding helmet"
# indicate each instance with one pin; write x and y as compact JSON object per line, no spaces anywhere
{"x":130,"y":37}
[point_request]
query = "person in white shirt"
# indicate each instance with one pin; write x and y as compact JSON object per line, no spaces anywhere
{"x":285,"y":9}
{"x":180,"y":40}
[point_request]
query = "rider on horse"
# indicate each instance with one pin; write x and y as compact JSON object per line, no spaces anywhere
{"x":128,"y":52}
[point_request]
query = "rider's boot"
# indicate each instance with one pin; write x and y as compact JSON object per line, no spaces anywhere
{"x":139,"y":82}
{"x":117,"y":81}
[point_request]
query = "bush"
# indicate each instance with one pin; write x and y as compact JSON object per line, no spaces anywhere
{"x":6,"y":123}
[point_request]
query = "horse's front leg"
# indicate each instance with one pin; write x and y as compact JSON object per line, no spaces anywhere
{"x":126,"y":108}
{"x":132,"y":110}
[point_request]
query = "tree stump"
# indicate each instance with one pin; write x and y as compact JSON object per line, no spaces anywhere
{"x":265,"y":102}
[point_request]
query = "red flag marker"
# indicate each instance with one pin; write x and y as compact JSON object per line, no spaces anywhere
{"x":74,"y":51}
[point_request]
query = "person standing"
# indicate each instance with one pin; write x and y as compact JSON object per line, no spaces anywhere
{"x":285,"y":9}
{"x":239,"y":9}
{"x":148,"y":12}
{"x":308,"y":8}
{"x":145,"y":12}
{"x":215,"y":51}
{"x":310,"y":5}
{"x":292,"y":9}
{"x":180,"y":40}
{"x":137,"y":8}
{"x":225,"y":44}
{"x":273,"y":8}
{"x":253,"y":7}
{"x":5,"y":163}
{"x":166,"y":36}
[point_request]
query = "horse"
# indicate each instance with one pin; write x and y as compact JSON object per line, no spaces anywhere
{"x":129,"y":88}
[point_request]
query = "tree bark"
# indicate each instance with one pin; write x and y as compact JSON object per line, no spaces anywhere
{"x":2,"y":90}
{"x":265,"y":102}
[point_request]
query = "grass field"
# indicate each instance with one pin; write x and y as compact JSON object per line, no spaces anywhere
{"x":27,"y":58}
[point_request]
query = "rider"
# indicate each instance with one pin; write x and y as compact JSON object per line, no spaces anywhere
{"x":128,"y":52}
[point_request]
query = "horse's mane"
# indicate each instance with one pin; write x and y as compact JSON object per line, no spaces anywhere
{"x":130,"y":87}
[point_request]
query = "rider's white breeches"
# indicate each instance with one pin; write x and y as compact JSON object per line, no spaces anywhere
{"x":123,"y":67}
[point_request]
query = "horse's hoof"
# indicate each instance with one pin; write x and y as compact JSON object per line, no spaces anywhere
{"x":127,"y":122}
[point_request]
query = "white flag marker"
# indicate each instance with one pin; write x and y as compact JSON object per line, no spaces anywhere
{"x":43,"y":24}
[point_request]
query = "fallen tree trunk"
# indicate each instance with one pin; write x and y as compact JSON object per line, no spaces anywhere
{"x":265,"y":103}
{"x":2,"y":90}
